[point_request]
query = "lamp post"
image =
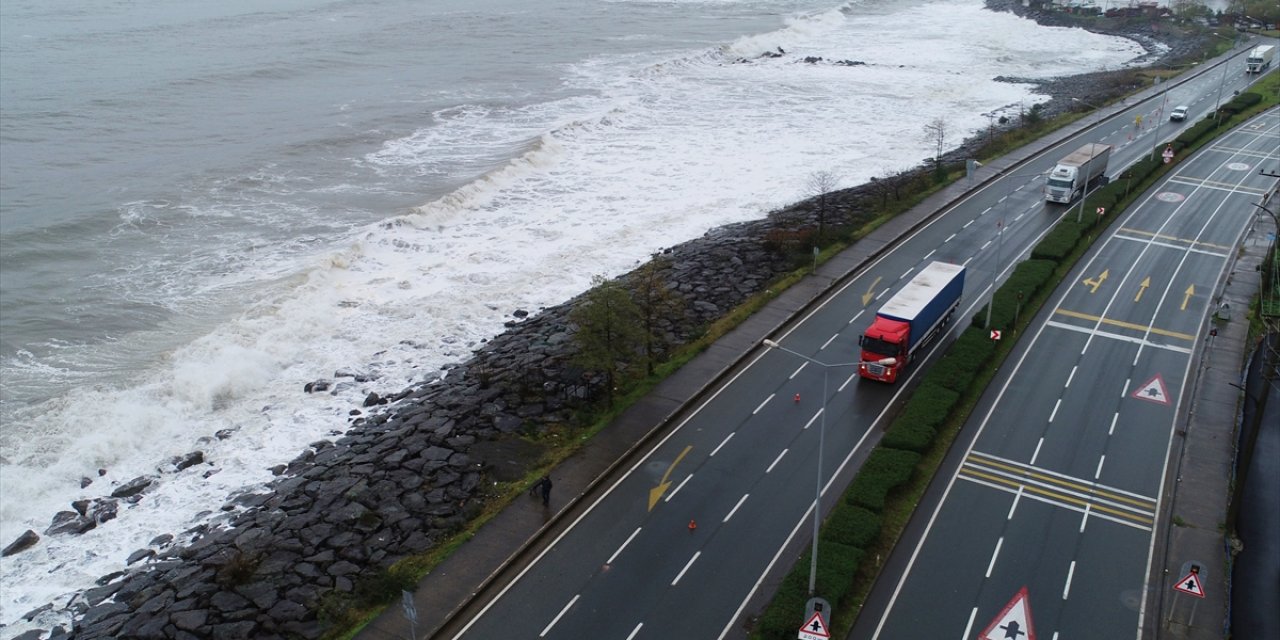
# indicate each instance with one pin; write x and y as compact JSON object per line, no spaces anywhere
{"x":822,"y":434}
{"x":1095,"y":107}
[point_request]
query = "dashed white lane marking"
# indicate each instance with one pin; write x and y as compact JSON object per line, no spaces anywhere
{"x":1084,"y":517}
{"x":678,"y":488}
{"x":1014,"y":507}
{"x":735,"y":507}
{"x":722,"y":443}
{"x":906,"y":273}
{"x":984,"y":246}
{"x":798,"y":370}
{"x":811,"y":420}
{"x":881,"y":295}
{"x":969,"y":627}
{"x":1066,"y":589}
{"x":966,"y":225}
{"x":1054,"y":414}
{"x":1098,"y":472}
{"x":624,"y":546}
{"x":829,"y":341}
{"x":856,"y":316}
{"x":927,"y":255}
{"x":851,"y":378}
{"x":1114,"y":417}
{"x":762,"y":404}
{"x":776,"y":460}
{"x":1037,"y":451}
{"x":558,"y":616}
{"x":1071,"y":376}
{"x":994,"y":554}
{"x":686,"y":568}
{"x":949,"y":238}
{"x":635,"y":631}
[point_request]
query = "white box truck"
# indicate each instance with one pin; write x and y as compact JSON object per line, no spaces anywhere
{"x":1260,"y":58}
{"x":1077,"y":172}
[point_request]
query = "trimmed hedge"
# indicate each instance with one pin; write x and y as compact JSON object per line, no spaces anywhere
{"x":957,"y":367}
{"x":837,"y":565}
{"x":914,"y":429}
{"x":854,"y":526}
{"x":885,"y":470}
{"x":783,"y":616}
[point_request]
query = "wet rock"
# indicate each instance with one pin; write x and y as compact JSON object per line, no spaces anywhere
{"x":133,"y":487}
{"x":25,"y":541}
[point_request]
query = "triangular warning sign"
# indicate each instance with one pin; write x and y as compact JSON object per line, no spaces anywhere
{"x":1153,"y":391}
{"x":814,"y":628}
{"x":1191,"y":585}
{"x":1014,"y":621}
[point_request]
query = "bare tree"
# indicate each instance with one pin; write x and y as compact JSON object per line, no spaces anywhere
{"x":935,"y":133}
{"x":820,"y":185}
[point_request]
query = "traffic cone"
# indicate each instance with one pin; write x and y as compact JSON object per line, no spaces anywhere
{"x":797,"y":398}
{"x":693,"y":526}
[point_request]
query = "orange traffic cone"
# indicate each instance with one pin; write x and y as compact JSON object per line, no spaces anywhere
{"x":797,"y":398}
{"x":693,"y":526}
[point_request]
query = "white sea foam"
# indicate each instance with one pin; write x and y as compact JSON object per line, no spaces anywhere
{"x":648,"y":149}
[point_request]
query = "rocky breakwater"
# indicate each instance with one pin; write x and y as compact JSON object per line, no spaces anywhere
{"x":276,"y":562}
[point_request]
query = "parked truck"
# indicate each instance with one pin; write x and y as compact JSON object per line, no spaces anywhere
{"x":910,"y":319}
{"x":1077,"y":172}
{"x":1260,"y":58}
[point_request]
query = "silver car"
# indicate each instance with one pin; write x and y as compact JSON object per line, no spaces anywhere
{"x":1179,"y":113}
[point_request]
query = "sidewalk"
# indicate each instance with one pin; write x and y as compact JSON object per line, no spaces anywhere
{"x":514,"y":536}
{"x":1204,"y":452}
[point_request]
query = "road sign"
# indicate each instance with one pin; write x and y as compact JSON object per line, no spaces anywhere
{"x":1153,"y":391}
{"x":814,"y":629}
{"x":1167,"y":154}
{"x":1014,"y":621}
{"x":995,"y":334}
{"x":1191,"y":585}
{"x":1102,"y":211}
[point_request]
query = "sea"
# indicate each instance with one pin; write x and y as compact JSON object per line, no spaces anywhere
{"x":204,"y":206}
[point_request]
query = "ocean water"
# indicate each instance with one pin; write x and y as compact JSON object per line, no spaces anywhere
{"x":204,"y":206}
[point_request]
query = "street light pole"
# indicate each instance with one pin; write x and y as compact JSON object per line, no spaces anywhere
{"x":822,"y":436}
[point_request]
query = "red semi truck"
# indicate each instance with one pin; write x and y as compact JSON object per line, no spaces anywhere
{"x":910,"y":319}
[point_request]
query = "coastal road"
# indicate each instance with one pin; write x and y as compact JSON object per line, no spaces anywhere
{"x":680,"y":542}
{"x":1053,"y":506}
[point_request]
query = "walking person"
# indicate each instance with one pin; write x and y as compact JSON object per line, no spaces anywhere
{"x":544,"y":487}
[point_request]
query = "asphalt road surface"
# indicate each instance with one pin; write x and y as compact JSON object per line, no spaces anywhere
{"x":1046,"y":527}
{"x":681,"y":542}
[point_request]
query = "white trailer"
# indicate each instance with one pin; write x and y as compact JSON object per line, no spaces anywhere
{"x":1076,"y":172}
{"x":1260,"y":58}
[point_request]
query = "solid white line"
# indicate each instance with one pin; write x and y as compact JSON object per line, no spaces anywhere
{"x":1098,"y":472}
{"x":798,"y":370}
{"x":906,"y":273}
{"x":678,"y":488}
{"x":815,"y":417}
{"x":1033,"y":455}
{"x":1084,"y":518}
{"x":735,"y":508}
{"x":1066,"y":589}
{"x":762,"y":404}
{"x":994,"y":554}
{"x":926,"y":256}
{"x":1114,"y":417}
{"x":635,"y":631}
{"x":966,"y":225}
{"x":1071,"y":376}
{"x":776,"y":460}
{"x":1115,"y":336}
{"x":1014,"y":507}
{"x":949,"y":238}
{"x":1055,"y":410}
{"x":722,"y":443}
{"x":686,"y":568}
{"x":828,"y":342}
{"x":558,"y":615}
{"x":624,"y":546}
{"x":969,"y":626}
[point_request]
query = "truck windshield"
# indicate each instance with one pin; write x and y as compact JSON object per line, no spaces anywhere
{"x":879,"y":347}
{"x":1061,"y":184}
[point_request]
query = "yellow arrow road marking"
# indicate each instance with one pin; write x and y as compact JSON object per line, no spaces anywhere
{"x":1142,"y":288}
{"x":1191,"y":291}
{"x":1095,"y":283}
{"x":655,"y":494}
{"x":871,"y":292}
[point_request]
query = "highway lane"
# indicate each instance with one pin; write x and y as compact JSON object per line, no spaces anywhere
{"x":1058,"y":492}
{"x":742,"y":466}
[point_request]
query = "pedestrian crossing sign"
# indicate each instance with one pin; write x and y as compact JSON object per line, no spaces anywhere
{"x":814,"y":628}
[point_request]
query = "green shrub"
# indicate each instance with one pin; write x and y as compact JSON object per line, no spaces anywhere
{"x":837,"y":565}
{"x":854,"y":526}
{"x":928,"y":408}
{"x":786,"y":612}
{"x":884,"y":470}
{"x":957,"y":368}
